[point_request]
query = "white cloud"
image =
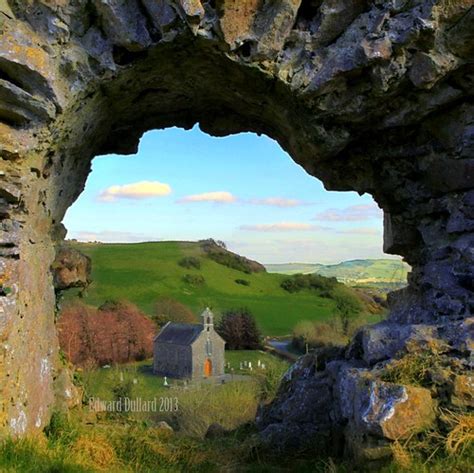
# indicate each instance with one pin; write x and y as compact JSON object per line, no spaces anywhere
{"x":277,"y":202}
{"x":216,"y":197}
{"x":136,"y":190}
{"x":281,"y":227}
{"x":352,"y":213}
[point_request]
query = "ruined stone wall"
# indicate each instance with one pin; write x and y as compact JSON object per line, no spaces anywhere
{"x":367,"y":95}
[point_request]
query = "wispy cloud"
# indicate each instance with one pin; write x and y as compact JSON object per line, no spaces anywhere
{"x":135,"y":190}
{"x":228,"y":197}
{"x":318,"y":249}
{"x":352,"y":213}
{"x":277,"y":202}
{"x":110,"y":236}
{"x":360,"y":231}
{"x":281,"y":227}
{"x":216,"y":197}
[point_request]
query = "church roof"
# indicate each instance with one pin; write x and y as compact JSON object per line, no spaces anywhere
{"x":179,"y":334}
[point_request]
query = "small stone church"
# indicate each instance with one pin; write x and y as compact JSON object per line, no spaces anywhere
{"x":191,"y":351}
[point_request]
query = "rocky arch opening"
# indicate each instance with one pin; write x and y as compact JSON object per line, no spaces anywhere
{"x":234,"y":166}
{"x":380,"y":103}
{"x":262,"y":205}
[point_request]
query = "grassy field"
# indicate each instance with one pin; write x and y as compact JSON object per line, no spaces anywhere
{"x":235,"y":357}
{"x":99,"y":382}
{"x":144,"y":272}
{"x":354,"y":272}
{"x":231,"y":404}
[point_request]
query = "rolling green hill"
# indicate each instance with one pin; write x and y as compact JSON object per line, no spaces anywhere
{"x":145,"y":272}
{"x":360,"y":272}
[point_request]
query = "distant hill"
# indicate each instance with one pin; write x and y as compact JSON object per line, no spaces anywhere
{"x":198,"y":276}
{"x":293,"y":268}
{"x":390,"y":273}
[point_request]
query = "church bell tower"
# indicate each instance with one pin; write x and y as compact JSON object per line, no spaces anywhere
{"x":208,"y":320}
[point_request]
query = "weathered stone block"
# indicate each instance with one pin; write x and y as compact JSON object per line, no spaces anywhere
{"x":273,"y":26}
{"x":334,"y":17}
{"x":71,"y":268}
{"x":10,"y":192}
{"x":99,"y":47}
{"x":251,"y":20}
{"x":426,"y":70}
{"x":348,"y":383}
{"x":124,"y":23}
{"x":236,"y":20}
{"x":392,"y":411}
{"x":18,"y":106}
{"x":161,"y":12}
{"x":26,"y":63}
{"x":67,"y":395}
{"x":384,"y":340}
{"x":192,"y":9}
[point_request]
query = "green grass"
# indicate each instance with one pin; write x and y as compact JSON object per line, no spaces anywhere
{"x":235,"y":357}
{"x":194,"y":406}
{"x":117,"y":446}
{"x":99,"y":382}
{"x":144,"y":272}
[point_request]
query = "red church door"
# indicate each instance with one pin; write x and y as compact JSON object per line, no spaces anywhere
{"x":208,"y":367}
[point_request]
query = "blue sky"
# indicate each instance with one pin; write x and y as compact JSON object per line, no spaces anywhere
{"x":242,"y":189}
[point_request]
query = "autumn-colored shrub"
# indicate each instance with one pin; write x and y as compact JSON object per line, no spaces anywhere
{"x":117,"y":332}
{"x":315,"y":335}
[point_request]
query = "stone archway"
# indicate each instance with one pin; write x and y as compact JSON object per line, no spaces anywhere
{"x":367,"y":95}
